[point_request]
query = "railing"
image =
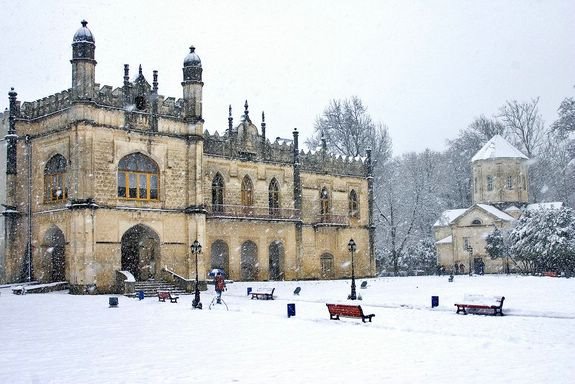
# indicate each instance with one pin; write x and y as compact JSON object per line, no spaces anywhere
{"x":250,"y":211}
{"x":330,"y":219}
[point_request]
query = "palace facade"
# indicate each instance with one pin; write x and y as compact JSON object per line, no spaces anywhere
{"x":102,"y":182}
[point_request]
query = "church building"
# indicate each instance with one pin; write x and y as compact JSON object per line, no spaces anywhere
{"x":500,"y":192}
{"x":102,"y":184}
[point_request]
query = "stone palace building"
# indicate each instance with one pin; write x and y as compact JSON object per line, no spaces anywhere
{"x":100,"y":183}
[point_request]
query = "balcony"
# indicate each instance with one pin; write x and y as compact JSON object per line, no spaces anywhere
{"x":251,"y":212}
{"x":330,"y":220}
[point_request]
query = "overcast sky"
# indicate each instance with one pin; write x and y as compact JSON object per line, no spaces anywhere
{"x":424,"y":68}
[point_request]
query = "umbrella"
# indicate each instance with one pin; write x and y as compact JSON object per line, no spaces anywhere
{"x":215,"y":271}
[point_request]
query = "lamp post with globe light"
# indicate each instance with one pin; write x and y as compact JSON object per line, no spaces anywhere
{"x":196,"y":249}
{"x":352,"y":247}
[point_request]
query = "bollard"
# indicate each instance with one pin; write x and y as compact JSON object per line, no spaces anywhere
{"x":434,"y":301}
{"x":249,"y":290}
{"x":141,"y":295}
{"x":290,"y":310}
{"x":113,"y":301}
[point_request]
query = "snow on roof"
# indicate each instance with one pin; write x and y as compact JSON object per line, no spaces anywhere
{"x":551,"y":205}
{"x":448,"y":216}
{"x":512,"y":208}
{"x":498,"y":147}
{"x":447,"y":240}
{"x":496,"y":212}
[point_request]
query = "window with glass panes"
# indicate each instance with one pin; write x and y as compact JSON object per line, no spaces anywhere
{"x":138,"y":178}
{"x":274,"y":197}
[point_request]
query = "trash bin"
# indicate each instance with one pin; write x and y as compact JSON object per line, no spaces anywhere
{"x":290,"y":310}
{"x":141,"y":295}
{"x":113,"y":301}
{"x":434,"y":301}
{"x":249,"y":290}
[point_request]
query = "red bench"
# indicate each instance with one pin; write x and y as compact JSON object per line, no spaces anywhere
{"x":479,"y":304}
{"x":163,"y":295}
{"x":337,"y":310}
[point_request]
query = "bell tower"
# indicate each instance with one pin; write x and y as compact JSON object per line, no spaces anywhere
{"x":83,"y":64}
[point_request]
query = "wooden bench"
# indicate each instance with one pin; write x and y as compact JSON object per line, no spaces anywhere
{"x":163,"y":295}
{"x":263,"y":293}
{"x":479,"y":304}
{"x":337,"y":310}
{"x":19,"y":290}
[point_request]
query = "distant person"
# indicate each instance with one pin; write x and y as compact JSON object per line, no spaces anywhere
{"x":220,"y":286}
{"x":456,"y":269}
{"x":462,"y":268}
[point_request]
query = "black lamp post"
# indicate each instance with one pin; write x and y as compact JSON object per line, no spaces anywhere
{"x":351,"y":247}
{"x":196,"y":248}
{"x":470,"y":250}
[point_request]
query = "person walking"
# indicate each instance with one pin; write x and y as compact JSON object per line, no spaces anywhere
{"x":220,"y":285}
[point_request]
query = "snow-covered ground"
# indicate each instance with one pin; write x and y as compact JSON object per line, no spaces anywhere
{"x":60,"y":338}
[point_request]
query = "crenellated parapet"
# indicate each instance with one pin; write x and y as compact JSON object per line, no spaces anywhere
{"x":323,"y":162}
{"x":106,"y":96}
{"x":230,"y":145}
{"x":46,"y":105}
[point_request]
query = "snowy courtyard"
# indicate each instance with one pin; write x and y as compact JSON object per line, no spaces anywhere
{"x":61,"y":338}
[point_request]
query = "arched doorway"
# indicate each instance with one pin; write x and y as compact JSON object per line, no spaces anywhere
{"x":140,"y":252}
{"x":54,"y":246}
{"x":220,"y":256}
{"x":276,"y":261}
{"x":249,"y":259}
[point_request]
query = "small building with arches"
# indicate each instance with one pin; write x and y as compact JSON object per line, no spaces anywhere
{"x":98,"y":181}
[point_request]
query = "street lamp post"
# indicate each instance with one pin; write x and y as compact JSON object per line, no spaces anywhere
{"x":470,"y":250}
{"x":196,"y":248}
{"x":351,"y":247}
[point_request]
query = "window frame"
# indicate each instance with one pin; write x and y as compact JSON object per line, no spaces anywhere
{"x":139,"y":184}
{"x":55,"y":179}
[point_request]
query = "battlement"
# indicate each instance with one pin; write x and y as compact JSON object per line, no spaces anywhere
{"x":104,"y":96}
{"x":281,"y":151}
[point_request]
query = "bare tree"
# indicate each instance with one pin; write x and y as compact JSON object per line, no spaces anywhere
{"x":349,"y":130}
{"x":524,"y":124}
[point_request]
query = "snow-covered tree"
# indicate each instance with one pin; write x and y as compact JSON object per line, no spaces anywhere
{"x":496,"y":247}
{"x":544,"y":240}
{"x":422,"y":256}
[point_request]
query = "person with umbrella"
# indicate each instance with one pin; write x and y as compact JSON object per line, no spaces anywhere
{"x":220,"y":285}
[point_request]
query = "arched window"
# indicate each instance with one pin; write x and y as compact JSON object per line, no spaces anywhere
{"x":274,"y":197}
{"x":55,"y":188}
{"x":476,"y":222}
{"x":247,"y":192}
{"x":353,"y":204}
{"x":324,"y":203}
{"x":138,"y":178}
{"x":218,"y":193}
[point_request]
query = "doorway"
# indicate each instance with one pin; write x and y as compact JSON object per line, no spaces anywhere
{"x":140,"y":252}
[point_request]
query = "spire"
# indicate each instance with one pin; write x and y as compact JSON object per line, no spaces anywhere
{"x":155,"y":82}
{"x":140,"y":70}
{"x":126,"y":75}
{"x":264,"y":126}
{"x":246,"y":113}
{"x":230,"y":120}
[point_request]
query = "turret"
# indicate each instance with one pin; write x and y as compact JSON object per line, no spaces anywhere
{"x":192,"y":86}
{"x":83,"y":64}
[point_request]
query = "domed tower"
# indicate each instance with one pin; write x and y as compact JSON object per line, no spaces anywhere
{"x":83,"y":63}
{"x":192,"y":86}
{"x":500,"y":174}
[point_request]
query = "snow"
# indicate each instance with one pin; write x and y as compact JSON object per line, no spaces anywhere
{"x":445,"y":240}
{"x":61,"y":338}
{"x":448,"y":216}
{"x":496,"y":212}
{"x":551,"y":205}
{"x":497,"y":147}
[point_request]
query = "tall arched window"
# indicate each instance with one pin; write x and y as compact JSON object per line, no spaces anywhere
{"x":274,"y":197}
{"x":490,"y":183}
{"x":247,"y":192}
{"x":55,"y":188}
{"x":353,"y":204}
{"x":324,"y":203}
{"x":218,"y":193}
{"x":138,"y":178}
